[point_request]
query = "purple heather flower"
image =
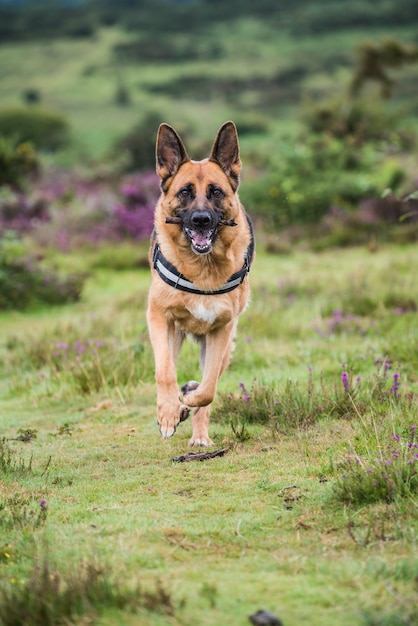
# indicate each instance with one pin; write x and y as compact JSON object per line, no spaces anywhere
{"x":345,"y":381}
{"x":395,"y":385}
{"x":247,"y":396}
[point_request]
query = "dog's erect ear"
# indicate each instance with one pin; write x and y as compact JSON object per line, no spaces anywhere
{"x":170,"y":152}
{"x":225,"y":152}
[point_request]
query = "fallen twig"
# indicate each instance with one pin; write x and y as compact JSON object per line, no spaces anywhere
{"x":199,"y":456}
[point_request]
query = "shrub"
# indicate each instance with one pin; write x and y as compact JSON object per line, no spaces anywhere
{"x":320,"y":176}
{"x":23,"y":512}
{"x":297,"y":406}
{"x":66,"y":210}
{"x":21,"y":213}
{"x":46,"y":130}
{"x":23,"y":282}
{"x":12,"y":463}
{"x":48,"y":597}
{"x":361,"y":120}
{"x":139,"y":144}
{"x":389,"y":474}
{"x":134,"y":214}
{"x":17,"y":162}
{"x":293,"y":407}
{"x":311,"y":175}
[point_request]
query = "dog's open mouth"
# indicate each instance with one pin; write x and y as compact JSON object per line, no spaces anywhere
{"x":201,"y":242}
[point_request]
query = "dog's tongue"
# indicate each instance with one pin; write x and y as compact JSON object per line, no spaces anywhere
{"x":201,"y":239}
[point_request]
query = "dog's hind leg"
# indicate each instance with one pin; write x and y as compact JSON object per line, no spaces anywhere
{"x":200,"y":426}
{"x":217,"y":351}
{"x":192,"y":385}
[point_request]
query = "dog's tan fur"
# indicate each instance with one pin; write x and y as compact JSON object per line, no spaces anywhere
{"x":173,"y":314}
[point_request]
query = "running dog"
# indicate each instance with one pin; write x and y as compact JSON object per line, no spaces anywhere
{"x":200,"y":255}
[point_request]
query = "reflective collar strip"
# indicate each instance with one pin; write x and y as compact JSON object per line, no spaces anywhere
{"x":172,"y":277}
{"x":169,"y":274}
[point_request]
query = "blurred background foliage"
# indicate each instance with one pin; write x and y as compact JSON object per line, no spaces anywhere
{"x":324,"y":95}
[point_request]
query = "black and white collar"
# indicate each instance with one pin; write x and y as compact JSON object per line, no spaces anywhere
{"x":170,"y":275}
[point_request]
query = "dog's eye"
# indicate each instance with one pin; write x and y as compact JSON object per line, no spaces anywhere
{"x":216,"y":192}
{"x":184,"y":193}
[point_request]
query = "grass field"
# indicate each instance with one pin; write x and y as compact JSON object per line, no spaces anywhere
{"x":99,"y":525}
{"x":80,"y":78}
{"x":312,"y":513}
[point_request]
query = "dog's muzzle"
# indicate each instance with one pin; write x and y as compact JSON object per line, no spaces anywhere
{"x":201,"y":228}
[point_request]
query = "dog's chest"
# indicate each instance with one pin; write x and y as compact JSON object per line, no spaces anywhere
{"x":206,"y":311}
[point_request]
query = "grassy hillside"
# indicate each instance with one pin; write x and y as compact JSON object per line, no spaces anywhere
{"x":252,"y":66}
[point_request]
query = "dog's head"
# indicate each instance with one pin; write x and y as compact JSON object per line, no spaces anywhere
{"x":200,"y":196}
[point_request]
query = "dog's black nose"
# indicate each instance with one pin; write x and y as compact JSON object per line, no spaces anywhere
{"x":201,"y":219}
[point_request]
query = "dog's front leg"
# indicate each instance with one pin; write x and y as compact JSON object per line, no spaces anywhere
{"x":166,"y":343}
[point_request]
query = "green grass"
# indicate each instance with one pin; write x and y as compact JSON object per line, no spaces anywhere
{"x":80,"y":79}
{"x":271,"y":524}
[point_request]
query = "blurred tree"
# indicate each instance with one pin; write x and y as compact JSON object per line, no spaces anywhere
{"x":374,"y":60}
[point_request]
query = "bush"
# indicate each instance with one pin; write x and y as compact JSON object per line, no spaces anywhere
{"x":22,"y":213}
{"x":17,"y":162}
{"x":310,"y":176}
{"x":389,"y":474}
{"x":46,"y":130}
{"x":361,"y":120}
{"x":134,"y":214}
{"x":139,"y":144}
{"x":24,"y":283}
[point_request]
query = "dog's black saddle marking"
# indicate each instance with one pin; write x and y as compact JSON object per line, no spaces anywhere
{"x":169,"y":274}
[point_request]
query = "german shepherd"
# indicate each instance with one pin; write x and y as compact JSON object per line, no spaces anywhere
{"x":200,"y":255}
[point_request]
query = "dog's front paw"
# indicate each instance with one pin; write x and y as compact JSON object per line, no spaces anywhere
{"x":168,"y":424}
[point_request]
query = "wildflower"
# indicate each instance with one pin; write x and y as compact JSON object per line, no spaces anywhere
{"x":247,"y":396}
{"x":345,"y":381}
{"x":395,"y":385}
{"x":43,"y":505}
